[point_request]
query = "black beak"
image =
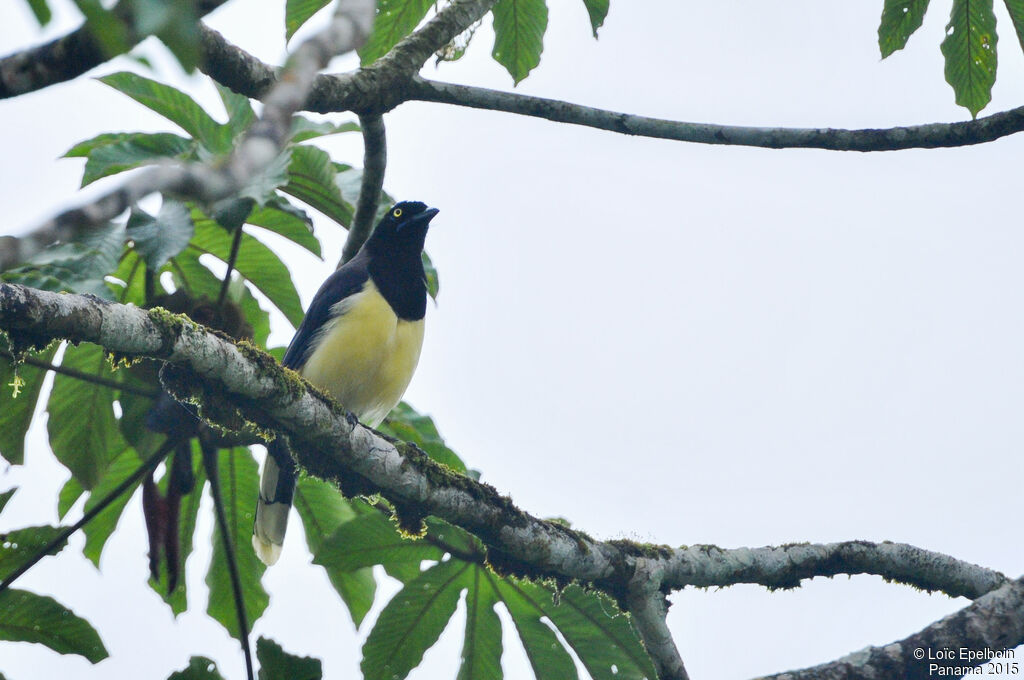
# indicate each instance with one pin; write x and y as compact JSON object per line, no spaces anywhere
{"x":424,"y":217}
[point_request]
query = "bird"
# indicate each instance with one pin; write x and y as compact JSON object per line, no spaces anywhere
{"x":360,"y":342}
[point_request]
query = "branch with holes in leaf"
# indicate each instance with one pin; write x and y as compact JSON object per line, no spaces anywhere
{"x":333,"y":446}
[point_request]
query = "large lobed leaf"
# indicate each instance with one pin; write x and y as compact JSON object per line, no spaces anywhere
{"x":298,"y":12}
{"x":1016,"y":10}
{"x":394,"y":20}
{"x":900,"y":18}
{"x":481,"y":646}
{"x":16,"y":413}
{"x":598,"y":11}
{"x":413,"y":621}
{"x":405,"y":423}
{"x":100,"y":528}
{"x":199,"y":668}
{"x":175,"y":106}
{"x":255,"y":261}
{"x":83,"y":432}
{"x":323,"y":509}
{"x":277,"y":664}
{"x":970,"y":52}
{"x":111,"y":153}
{"x":27,"y":617}
{"x":18,"y":546}
{"x":519,"y":27}
{"x":239,"y":486}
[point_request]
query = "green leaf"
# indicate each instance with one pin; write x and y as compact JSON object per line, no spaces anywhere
{"x":175,"y":23}
{"x":262,"y":186}
{"x":177,"y":599}
{"x":1016,"y":10}
{"x":481,"y":647}
{"x":100,"y":528}
{"x":134,"y":150}
{"x":598,"y":10}
{"x":413,"y":621}
{"x":405,"y":423}
{"x":298,"y":12}
{"x":79,"y":266}
{"x":17,"y":547}
{"x":108,"y":29}
{"x":83,"y":432}
{"x":284,"y":219}
{"x":199,"y":668}
{"x":41,"y":10}
{"x":240,"y":113}
{"x":323,"y":509}
{"x":5,"y":497}
{"x":174,"y":105}
{"x":303,"y":128}
{"x":519,"y":27}
{"x":312,"y":179}
{"x":277,"y":664}
{"x":545,"y":652}
{"x":970,"y":52}
{"x":69,"y":494}
{"x":433,"y":282}
{"x":16,"y":414}
{"x":900,"y":18}
{"x":239,"y":486}
{"x":394,"y":20}
{"x":372,"y":539}
{"x":158,"y":239}
{"x":255,"y":261}
{"x":27,"y":617}
{"x":601,"y":636}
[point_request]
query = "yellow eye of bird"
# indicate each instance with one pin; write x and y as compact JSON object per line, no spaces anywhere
{"x":397,"y":212}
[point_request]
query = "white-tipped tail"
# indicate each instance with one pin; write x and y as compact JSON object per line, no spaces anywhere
{"x":272,"y":509}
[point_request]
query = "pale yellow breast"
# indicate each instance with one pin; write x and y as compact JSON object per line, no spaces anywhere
{"x":366,"y":356}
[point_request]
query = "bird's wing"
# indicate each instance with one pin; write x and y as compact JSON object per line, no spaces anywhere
{"x":347,"y":281}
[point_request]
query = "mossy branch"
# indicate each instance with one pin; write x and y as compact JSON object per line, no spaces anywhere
{"x":335,"y":447}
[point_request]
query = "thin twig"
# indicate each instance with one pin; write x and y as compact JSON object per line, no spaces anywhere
{"x":375,"y":160}
{"x":227,"y":540}
{"x":104,"y":502}
{"x":81,"y":375}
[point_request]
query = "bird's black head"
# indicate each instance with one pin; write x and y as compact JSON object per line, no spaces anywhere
{"x":403,"y":228}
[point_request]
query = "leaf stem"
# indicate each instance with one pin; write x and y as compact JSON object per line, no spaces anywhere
{"x":116,"y":493}
{"x":212,"y":473}
{"x":82,"y":375}
{"x":236,"y":243}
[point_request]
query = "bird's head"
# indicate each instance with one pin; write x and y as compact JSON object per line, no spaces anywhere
{"x":404,"y":227}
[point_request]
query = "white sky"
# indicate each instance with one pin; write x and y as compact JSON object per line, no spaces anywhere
{"x":658,"y":341}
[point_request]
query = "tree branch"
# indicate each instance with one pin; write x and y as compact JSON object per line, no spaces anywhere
{"x":995,"y":622}
{"x":785,"y":566}
{"x":375,"y":160}
{"x":378,"y":88}
{"x":208,"y":182}
{"x":930,"y":136}
{"x":67,"y":57}
{"x":649,"y":608}
{"x":220,"y":376}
